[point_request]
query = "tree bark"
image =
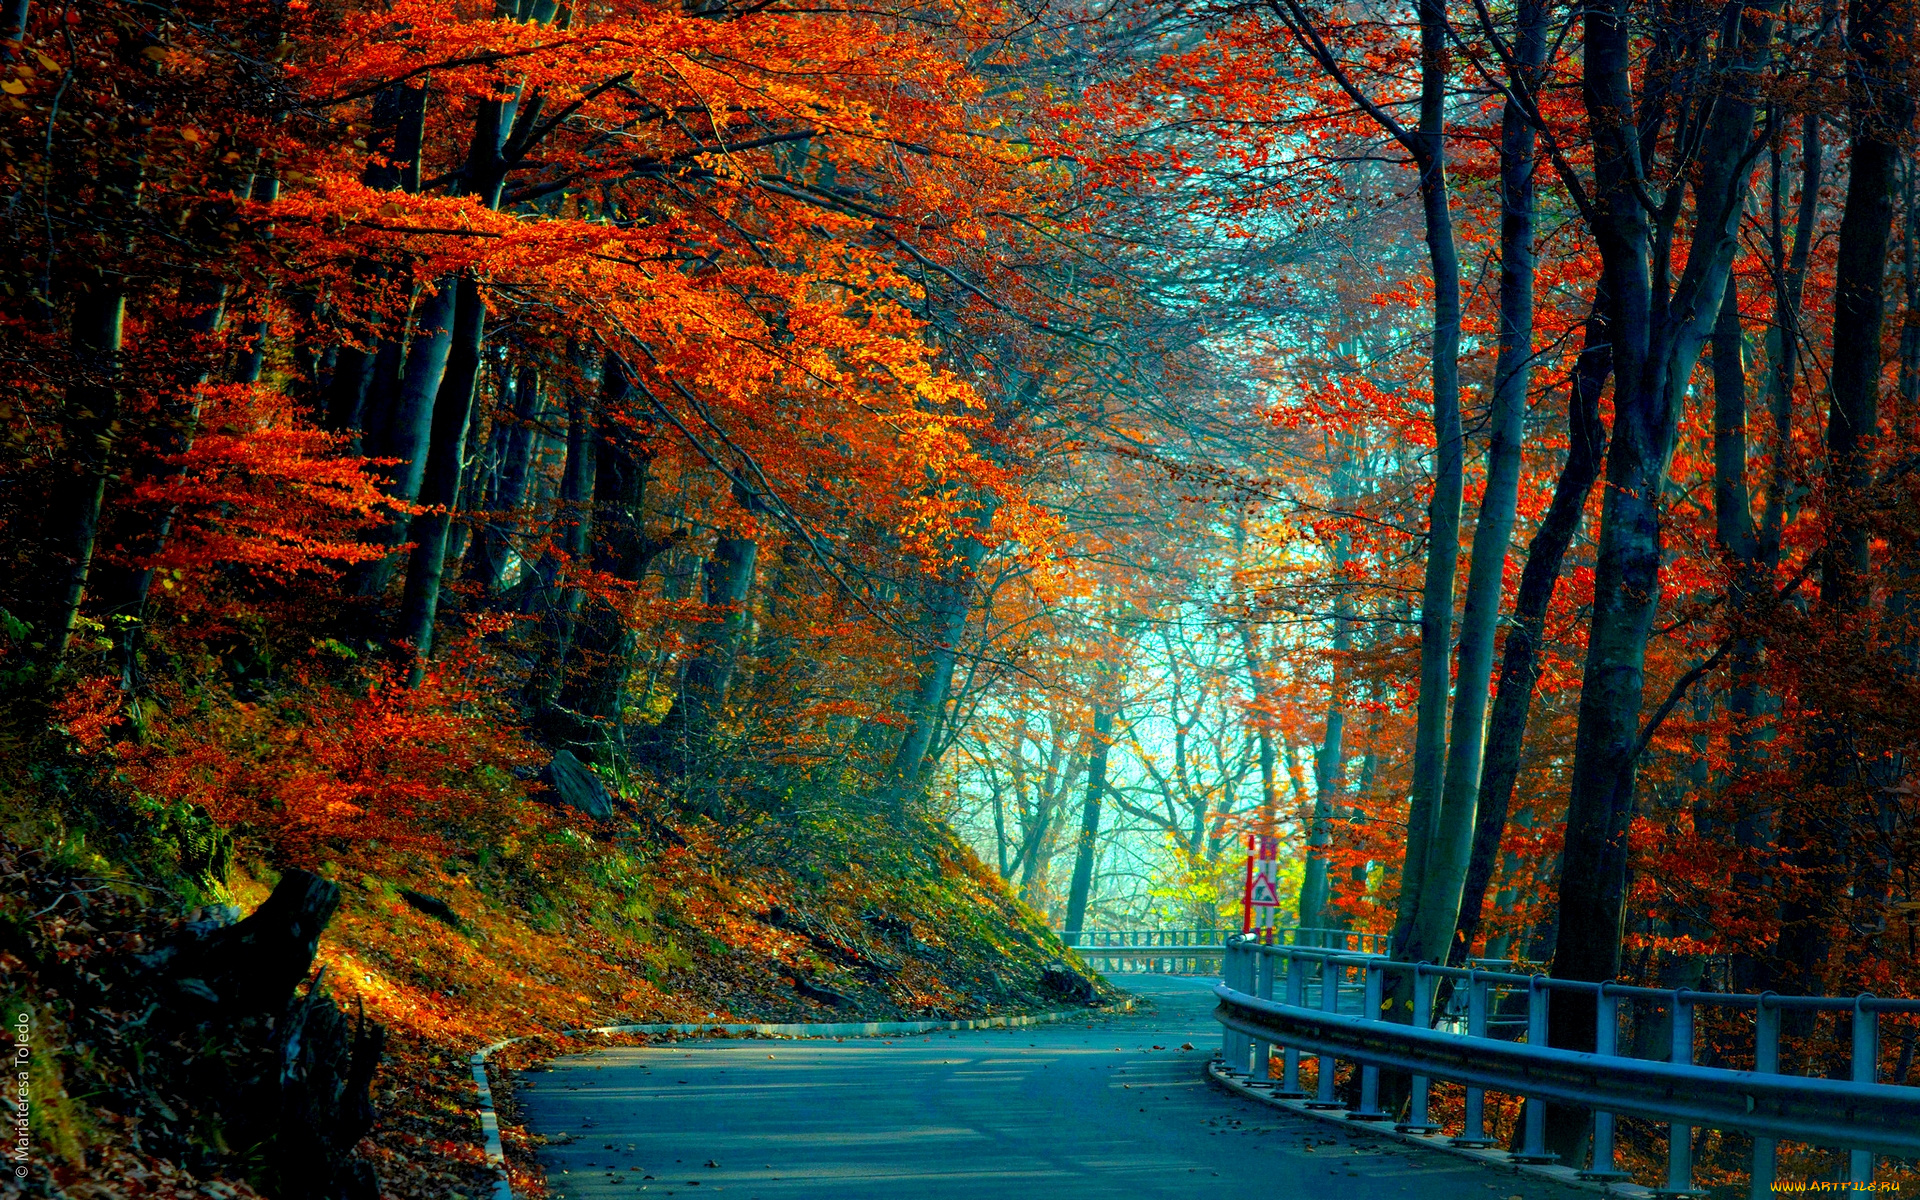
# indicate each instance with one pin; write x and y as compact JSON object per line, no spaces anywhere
{"x":90,"y":424}
{"x":1658,"y":332}
{"x":398,"y":125}
{"x":446,"y":459}
{"x":408,"y":434}
{"x":950,"y":605}
{"x":516,"y":441}
{"x":1879,"y":113}
{"x":1449,"y":855}
{"x":574,"y":521}
{"x":1329,"y":759}
{"x":1443,"y":512}
{"x":1087,"y":844}
{"x":1520,"y":658}
{"x":623,"y":550}
{"x":121,"y":591}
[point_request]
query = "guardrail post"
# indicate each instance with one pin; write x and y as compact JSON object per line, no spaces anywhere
{"x":1263,"y":988}
{"x":1766,"y":1061}
{"x":1606,"y":1037}
{"x":1372,"y":998}
{"x":1473,"y":1133}
{"x":1866,"y":1069}
{"x":1423,"y":984}
{"x":1533,"y":1142}
{"x":1290,"y":1057}
{"x":1228,"y":966}
{"x":1244,"y":982}
{"x":1680,"y":1137}
{"x":1330,"y":972}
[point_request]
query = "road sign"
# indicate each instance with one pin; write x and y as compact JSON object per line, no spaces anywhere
{"x":1262,"y":895}
{"x":1260,"y":899}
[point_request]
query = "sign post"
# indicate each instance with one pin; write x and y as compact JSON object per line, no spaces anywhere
{"x":1260,"y":899}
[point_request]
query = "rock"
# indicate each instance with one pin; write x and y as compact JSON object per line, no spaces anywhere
{"x":578,"y":788}
{"x":1058,"y":979}
{"x":433,"y":906}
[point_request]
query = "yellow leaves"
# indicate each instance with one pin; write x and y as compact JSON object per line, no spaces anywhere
{"x":13,"y":87}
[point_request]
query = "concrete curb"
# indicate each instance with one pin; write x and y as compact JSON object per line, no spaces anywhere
{"x":1218,"y":1076}
{"x":490,"y":1121}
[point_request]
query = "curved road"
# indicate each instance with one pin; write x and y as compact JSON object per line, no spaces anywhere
{"x":1102,"y":1109}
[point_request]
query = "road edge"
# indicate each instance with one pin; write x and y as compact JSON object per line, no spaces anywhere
{"x":1216,"y":1074}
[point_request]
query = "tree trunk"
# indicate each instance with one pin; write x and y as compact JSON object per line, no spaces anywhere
{"x":1657,"y":336}
{"x":446,"y":459}
{"x":1330,"y":758}
{"x":121,"y":591}
{"x":709,"y":673}
{"x":1910,"y":281}
{"x":1443,"y":512}
{"x":516,"y":441}
{"x":409,"y":434}
{"x":1748,"y":578}
{"x":1449,"y":855}
{"x":398,"y":125}
{"x":623,"y":551}
{"x":1879,"y":113}
{"x":574,"y":520}
{"x":1087,"y":844}
{"x":1520,"y":658}
{"x":91,"y":429}
{"x":945,"y":626}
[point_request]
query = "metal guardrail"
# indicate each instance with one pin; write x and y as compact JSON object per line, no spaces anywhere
{"x":1859,"y":1114}
{"x":1193,"y":951}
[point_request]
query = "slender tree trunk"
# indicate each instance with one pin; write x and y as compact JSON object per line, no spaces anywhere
{"x":1749,"y":580}
{"x":253,"y":357}
{"x":575,"y":523}
{"x":945,"y":626}
{"x":1520,"y":658}
{"x":91,"y":423}
{"x":516,"y":441}
{"x":484,"y":177}
{"x":446,"y":460}
{"x":1330,"y":758}
{"x":1880,"y":113}
{"x":1443,"y":512}
{"x":399,"y":123}
{"x":624,"y":549}
{"x":1910,"y":317}
{"x":1086,"y":846}
{"x":1449,"y":855}
{"x":408,"y":435}
{"x":710,"y":669}
{"x":121,"y":590}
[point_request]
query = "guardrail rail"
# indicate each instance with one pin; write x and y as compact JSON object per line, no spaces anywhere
{"x":1193,"y":951}
{"x":1332,"y":1007}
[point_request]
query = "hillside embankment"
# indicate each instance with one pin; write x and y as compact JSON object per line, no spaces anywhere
{"x":199,"y":1016}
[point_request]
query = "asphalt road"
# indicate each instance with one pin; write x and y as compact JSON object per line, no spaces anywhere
{"x":1102,"y":1109}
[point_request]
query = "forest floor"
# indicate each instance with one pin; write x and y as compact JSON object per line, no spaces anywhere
{"x":538,"y":921}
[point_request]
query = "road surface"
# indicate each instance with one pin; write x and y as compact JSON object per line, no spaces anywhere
{"x":1109,"y":1108}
